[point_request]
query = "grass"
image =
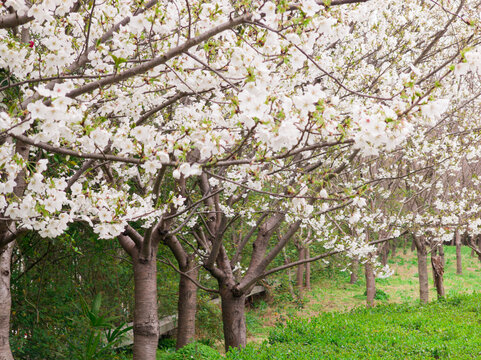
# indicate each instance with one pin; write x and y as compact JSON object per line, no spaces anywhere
{"x":412,"y":331}
{"x":334,"y":293}
{"x":448,"y":329}
{"x":194,"y":350}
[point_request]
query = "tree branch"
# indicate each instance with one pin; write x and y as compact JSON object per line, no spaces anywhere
{"x":13,"y":20}
{"x":145,"y":116}
{"x":344,"y":2}
{"x":200,"y":286}
{"x":127,"y":244}
{"x":134,"y":236}
{"x":161,"y":59}
{"x":315,"y":258}
{"x":64,"y":151}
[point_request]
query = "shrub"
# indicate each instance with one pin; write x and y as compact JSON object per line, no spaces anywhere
{"x":195,"y":351}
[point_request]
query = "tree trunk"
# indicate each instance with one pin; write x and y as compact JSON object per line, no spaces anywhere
{"x":441,"y":253}
{"x":146,"y":321}
{"x":5,"y":301}
{"x":438,"y":271}
{"x":354,"y":270}
{"x":289,"y":274}
{"x":308,"y":269}
{"x":476,"y":244}
{"x":384,"y":253}
{"x":459,"y":266}
{"x":370,"y":284}
{"x":300,"y":269}
{"x":233,"y":318}
{"x":393,"y":249}
{"x":187,"y":305}
{"x":422,"y":270}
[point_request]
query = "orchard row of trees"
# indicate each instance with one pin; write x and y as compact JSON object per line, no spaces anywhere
{"x":225,"y":131}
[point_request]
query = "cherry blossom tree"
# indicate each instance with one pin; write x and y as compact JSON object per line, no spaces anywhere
{"x":115,"y":101}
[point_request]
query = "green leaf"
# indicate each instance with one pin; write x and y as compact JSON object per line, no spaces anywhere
{"x":117,"y":61}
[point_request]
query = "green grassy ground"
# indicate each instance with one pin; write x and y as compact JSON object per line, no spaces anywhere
{"x":333,"y":293}
{"x":448,"y":329}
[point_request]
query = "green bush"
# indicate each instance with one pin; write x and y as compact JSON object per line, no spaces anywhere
{"x":209,"y":321}
{"x":380,"y":295}
{"x":166,"y":343}
{"x":195,"y":351}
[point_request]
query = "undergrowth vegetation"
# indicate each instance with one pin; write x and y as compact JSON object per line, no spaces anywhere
{"x":447,"y":329}
{"x":440,"y":330}
{"x":330,"y":321}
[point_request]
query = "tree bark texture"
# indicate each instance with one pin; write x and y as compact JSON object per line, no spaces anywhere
{"x":300,"y":269}
{"x":441,"y":253}
{"x":459,"y":265}
{"x":438,"y":271}
{"x":422,"y":270}
{"x":233,"y":319}
{"x":308,"y":269}
{"x":473,"y":242}
{"x":187,"y":305}
{"x":5,"y":301}
{"x":289,"y":274}
{"x":354,"y":271}
{"x":370,"y":284}
{"x":384,"y":253}
{"x":146,"y":321}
